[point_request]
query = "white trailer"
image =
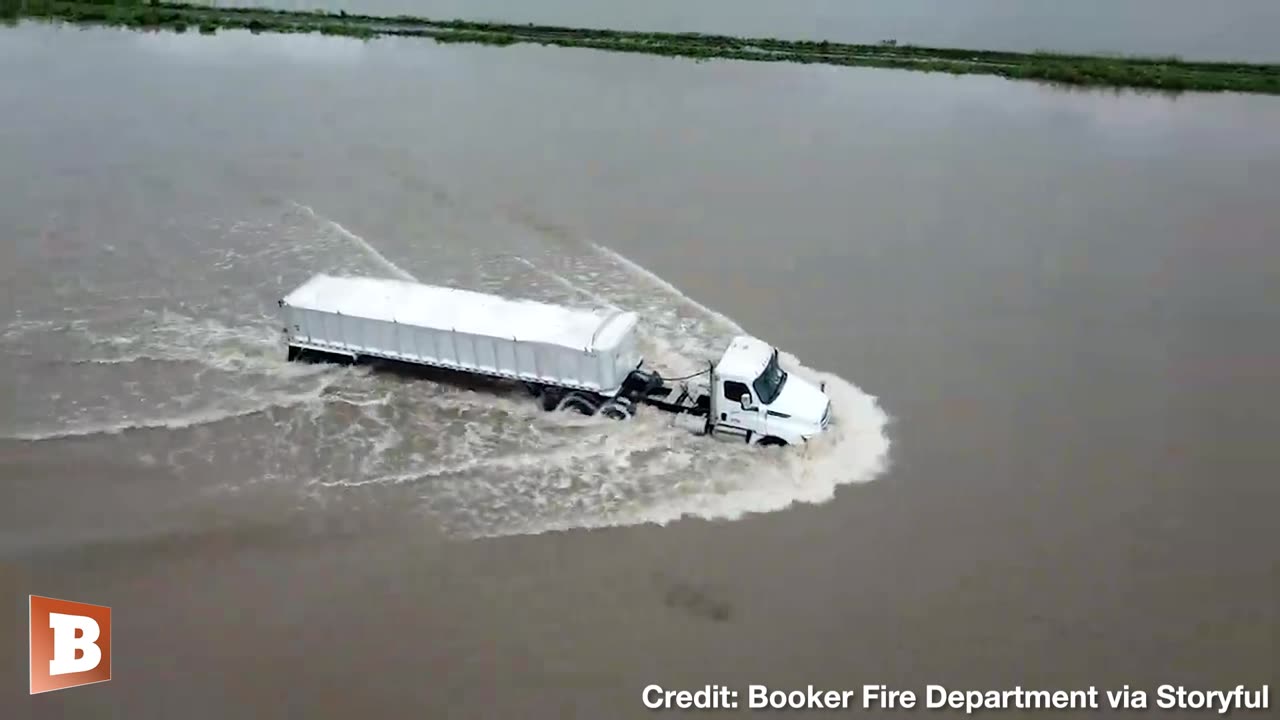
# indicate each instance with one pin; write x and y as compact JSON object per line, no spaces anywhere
{"x":587,"y":360}
{"x":462,"y":330}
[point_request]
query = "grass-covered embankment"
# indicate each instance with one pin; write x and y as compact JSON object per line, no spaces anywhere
{"x":1168,"y":74}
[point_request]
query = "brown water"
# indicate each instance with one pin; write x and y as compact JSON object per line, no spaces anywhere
{"x":1051,"y":322}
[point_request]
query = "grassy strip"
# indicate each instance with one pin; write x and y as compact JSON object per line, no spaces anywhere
{"x":1167,"y":74}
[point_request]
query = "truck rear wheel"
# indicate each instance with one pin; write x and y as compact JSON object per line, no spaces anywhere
{"x":617,"y":409}
{"x":578,"y":402}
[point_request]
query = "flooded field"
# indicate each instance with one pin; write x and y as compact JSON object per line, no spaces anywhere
{"x":1237,"y":30}
{"x":1048,"y":321}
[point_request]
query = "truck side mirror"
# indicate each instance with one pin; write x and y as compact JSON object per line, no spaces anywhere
{"x":745,"y":401}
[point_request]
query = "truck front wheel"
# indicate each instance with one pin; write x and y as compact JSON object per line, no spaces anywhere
{"x":772,"y":441}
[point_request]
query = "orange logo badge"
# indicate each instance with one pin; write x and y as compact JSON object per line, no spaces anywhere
{"x":70,"y":644}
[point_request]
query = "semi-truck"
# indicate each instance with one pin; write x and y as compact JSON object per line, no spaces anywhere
{"x":586,"y":360}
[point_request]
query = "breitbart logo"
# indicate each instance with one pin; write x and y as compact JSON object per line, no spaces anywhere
{"x":70,"y":644}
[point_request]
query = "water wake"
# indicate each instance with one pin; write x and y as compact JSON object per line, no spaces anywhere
{"x":359,"y":242}
{"x":641,"y":272}
{"x":482,"y":463}
{"x":252,"y":347}
{"x":208,"y":416}
{"x":519,"y":471}
{"x":560,"y":280}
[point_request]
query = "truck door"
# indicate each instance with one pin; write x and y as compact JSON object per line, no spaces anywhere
{"x":731,"y":418}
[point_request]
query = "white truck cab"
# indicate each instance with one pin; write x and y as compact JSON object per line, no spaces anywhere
{"x":754,"y":398}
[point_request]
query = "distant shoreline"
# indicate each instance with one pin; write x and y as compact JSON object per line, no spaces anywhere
{"x":1169,"y":74}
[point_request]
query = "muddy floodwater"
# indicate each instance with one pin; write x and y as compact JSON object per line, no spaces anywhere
{"x":1049,"y":322}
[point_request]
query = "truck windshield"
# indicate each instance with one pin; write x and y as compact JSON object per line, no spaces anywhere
{"x":771,"y":380}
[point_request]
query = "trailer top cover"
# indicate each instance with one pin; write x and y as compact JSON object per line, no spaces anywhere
{"x":464,"y":311}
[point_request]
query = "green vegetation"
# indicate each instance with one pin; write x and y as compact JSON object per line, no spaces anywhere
{"x":1167,"y":73}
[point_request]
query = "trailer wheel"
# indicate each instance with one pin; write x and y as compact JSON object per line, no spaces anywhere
{"x":550,"y":400}
{"x":772,"y":441}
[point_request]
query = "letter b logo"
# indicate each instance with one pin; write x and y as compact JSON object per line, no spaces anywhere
{"x":70,"y":644}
